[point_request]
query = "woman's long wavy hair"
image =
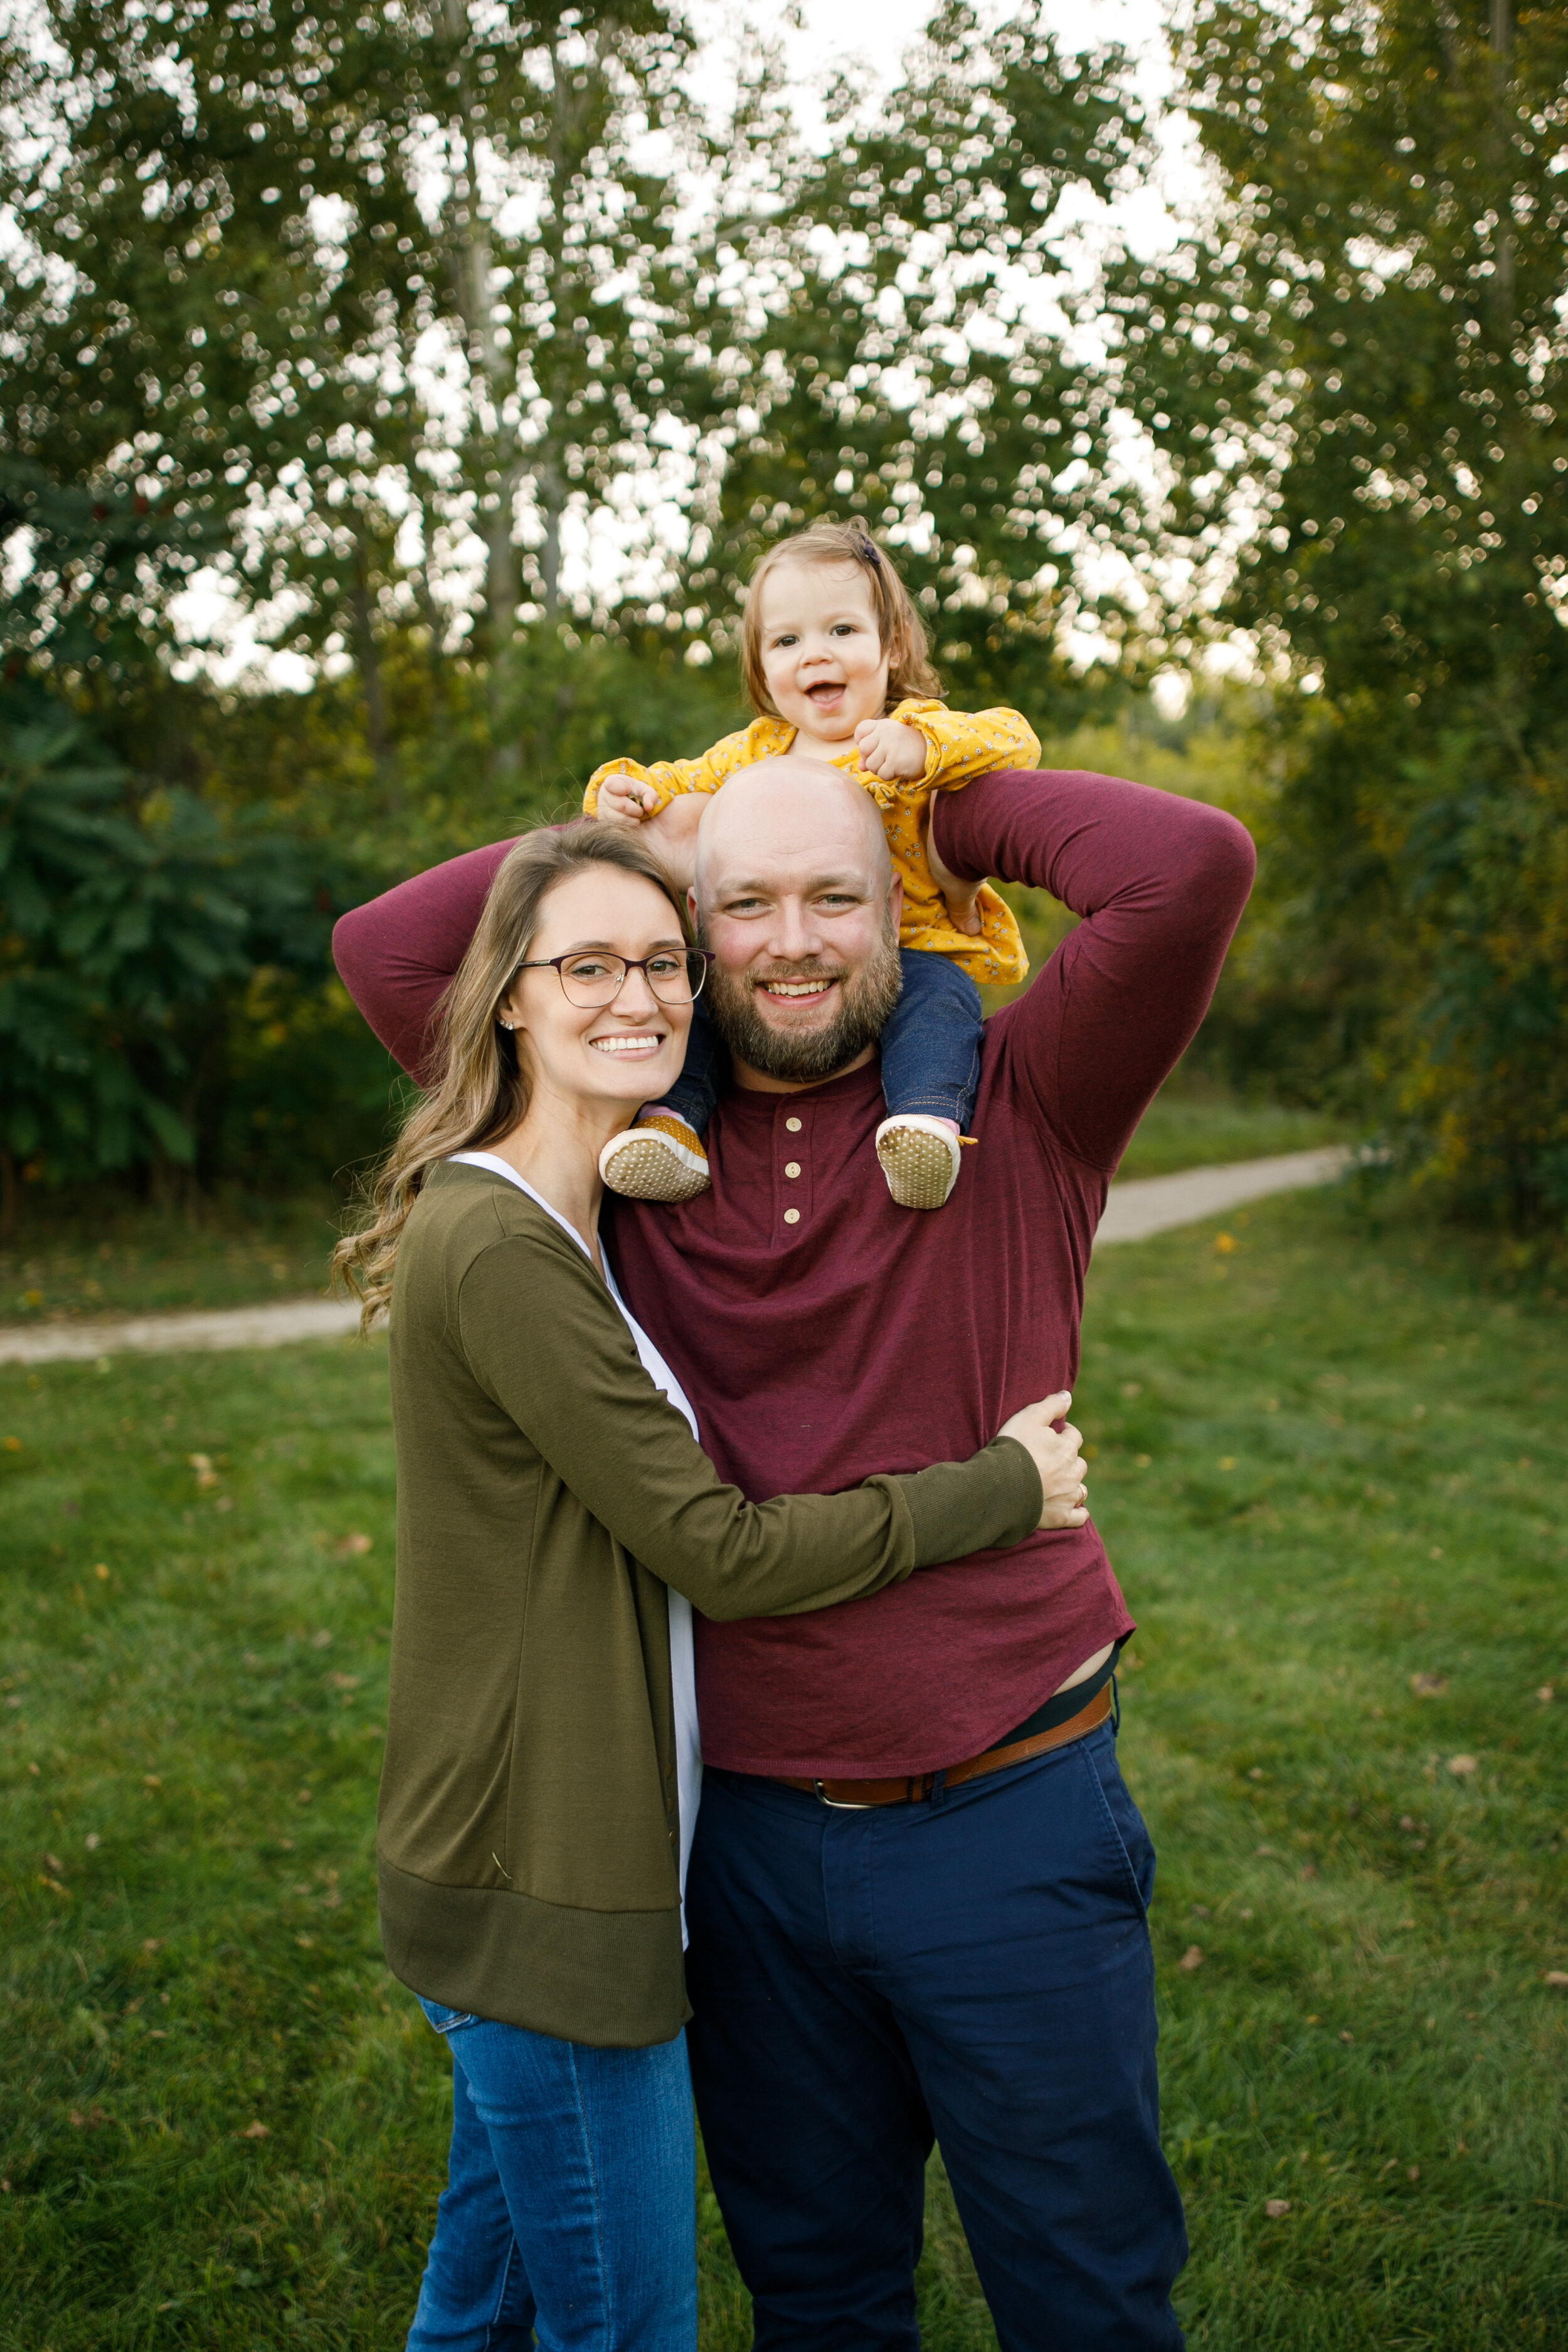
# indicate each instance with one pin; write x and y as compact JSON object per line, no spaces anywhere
{"x":479,"y":1082}
{"x":911,"y":677}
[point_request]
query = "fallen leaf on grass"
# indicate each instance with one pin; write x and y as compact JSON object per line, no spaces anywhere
{"x":1546,"y":1694}
{"x":1276,"y":2208}
{"x":1347,"y":2037}
{"x":92,"y":2121}
{"x":342,"y":1681}
{"x":352,"y":1547}
{"x":254,"y":2131}
{"x":324,"y":1640}
{"x":1461,"y":1767}
{"x":1193,"y":1958}
{"x":1556,"y":1977}
{"x":153,"y":1944}
{"x":1414,"y":2173}
{"x":1428,"y":1686}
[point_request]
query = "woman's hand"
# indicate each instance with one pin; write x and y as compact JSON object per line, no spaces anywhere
{"x":1064,"y":1473}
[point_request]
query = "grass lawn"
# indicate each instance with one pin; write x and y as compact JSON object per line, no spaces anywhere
{"x":1330,"y":1471}
{"x":111,"y":1255}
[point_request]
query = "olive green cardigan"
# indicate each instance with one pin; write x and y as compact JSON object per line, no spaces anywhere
{"x":547,"y":1494}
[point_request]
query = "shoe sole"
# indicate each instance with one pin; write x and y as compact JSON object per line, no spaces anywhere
{"x":654,"y":1170}
{"x":918,"y":1169}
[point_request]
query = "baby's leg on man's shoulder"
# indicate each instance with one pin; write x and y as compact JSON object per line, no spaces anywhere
{"x":931,"y":1067}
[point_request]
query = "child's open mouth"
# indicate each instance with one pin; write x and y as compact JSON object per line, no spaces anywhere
{"x":828,"y":693}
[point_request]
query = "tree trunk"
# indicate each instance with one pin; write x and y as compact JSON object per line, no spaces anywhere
{"x":368,"y":661}
{"x":1502,"y":73}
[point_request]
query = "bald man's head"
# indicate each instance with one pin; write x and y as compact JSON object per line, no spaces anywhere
{"x":783,"y":811}
{"x":796,"y":897}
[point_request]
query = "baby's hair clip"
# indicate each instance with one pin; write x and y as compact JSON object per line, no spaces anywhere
{"x":870,"y":554}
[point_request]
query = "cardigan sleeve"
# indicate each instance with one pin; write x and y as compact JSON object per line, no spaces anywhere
{"x":546,"y":1343}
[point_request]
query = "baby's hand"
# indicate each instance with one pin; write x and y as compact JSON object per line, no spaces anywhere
{"x":891,"y":749}
{"x":623,"y":801}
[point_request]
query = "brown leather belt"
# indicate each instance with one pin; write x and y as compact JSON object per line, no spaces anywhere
{"x":914,"y":1788}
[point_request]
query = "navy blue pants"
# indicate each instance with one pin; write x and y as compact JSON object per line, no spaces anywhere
{"x":977,"y":1970}
{"x":930,"y":1047}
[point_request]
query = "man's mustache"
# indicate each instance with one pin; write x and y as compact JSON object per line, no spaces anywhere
{"x":800,"y":972}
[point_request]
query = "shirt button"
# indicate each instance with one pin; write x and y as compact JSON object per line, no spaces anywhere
{"x":792,"y":1216}
{"x":792,"y":1125}
{"x":791,"y":1168}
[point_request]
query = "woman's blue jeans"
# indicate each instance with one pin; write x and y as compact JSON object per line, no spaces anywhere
{"x":571,"y":2202}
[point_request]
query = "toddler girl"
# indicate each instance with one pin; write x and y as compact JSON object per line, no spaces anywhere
{"x":834,"y":657}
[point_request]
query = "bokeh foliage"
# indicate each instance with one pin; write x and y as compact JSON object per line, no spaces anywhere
{"x":374,"y":323}
{"x":1367,"y":351}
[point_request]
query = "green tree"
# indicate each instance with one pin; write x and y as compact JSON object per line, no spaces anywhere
{"x":1356,"y":376}
{"x":332,"y":301}
{"x":886,"y":336}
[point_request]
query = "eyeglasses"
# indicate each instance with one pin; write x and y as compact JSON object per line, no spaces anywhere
{"x":675,"y":974}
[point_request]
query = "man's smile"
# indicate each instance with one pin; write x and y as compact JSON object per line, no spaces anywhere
{"x":796,"y":991}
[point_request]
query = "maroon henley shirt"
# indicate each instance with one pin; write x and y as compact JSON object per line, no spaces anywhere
{"x":823,"y":1334}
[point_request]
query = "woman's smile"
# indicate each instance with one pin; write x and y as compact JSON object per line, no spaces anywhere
{"x":640,"y":1048}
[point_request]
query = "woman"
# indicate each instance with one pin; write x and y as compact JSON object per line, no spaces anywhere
{"x":556,"y":1520}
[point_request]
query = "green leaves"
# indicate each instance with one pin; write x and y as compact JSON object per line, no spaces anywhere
{"x":1360,"y":373}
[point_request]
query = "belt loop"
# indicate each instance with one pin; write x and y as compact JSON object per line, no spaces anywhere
{"x":1115,"y":1704}
{"x":938,"y":1786}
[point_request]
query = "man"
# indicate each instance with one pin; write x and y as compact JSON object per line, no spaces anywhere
{"x":918,"y":1892}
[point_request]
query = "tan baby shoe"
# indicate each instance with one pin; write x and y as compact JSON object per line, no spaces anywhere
{"x":920,"y":1158}
{"x":660,"y":1160}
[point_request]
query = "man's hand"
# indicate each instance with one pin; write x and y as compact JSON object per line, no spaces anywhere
{"x":672,"y":834}
{"x":623,"y":801}
{"x":891,"y":751}
{"x":963,"y":898}
{"x":1064,"y":1473}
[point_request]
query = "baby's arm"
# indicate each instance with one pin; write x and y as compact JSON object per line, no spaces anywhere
{"x":623,"y":791}
{"x":963,"y":744}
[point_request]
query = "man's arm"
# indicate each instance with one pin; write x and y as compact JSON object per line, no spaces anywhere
{"x":396,"y":955}
{"x":1159,"y":882}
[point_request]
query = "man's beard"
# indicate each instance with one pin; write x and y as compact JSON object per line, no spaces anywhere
{"x":866,"y":1005}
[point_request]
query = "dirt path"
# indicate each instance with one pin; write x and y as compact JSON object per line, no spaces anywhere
{"x":1138,"y":1208}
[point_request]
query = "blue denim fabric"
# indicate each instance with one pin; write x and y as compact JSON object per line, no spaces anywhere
{"x":976,"y":1969}
{"x":570,"y":2203}
{"x":930,"y":1047}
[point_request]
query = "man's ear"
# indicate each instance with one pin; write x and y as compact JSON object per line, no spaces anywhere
{"x":896,"y":901}
{"x":691,"y":909}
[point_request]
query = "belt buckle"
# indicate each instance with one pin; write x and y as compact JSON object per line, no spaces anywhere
{"x":838,"y":1804}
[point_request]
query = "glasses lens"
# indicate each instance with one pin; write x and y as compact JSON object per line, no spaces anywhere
{"x":593,"y":979}
{"x":676,"y":978}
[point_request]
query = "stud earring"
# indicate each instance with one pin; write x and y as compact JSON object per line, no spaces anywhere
{"x":508,"y":1025}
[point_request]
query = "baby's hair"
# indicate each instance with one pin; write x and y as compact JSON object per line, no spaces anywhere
{"x":910,"y":674}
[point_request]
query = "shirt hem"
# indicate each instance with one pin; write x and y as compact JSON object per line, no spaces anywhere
{"x":954,"y":1749}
